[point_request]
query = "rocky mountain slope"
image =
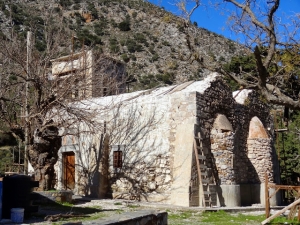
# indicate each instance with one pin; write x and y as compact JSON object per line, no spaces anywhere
{"x":157,"y":47}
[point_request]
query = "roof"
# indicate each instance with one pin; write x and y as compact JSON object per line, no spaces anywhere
{"x":156,"y":93}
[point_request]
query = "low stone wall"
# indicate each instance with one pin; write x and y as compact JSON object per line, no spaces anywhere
{"x":52,"y":196}
{"x":132,"y":218}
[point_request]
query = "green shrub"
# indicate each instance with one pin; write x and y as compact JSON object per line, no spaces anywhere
{"x":134,"y":14}
{"x":114,"y":48}
{"x":65,"y":3}
{"x":155,"y":57}
{"x":100,"y":27}
{"x":113,"y":41}
{"x":76,"y":6}
{"x":113,"y":23}
{"x":114,"y":45}
{"x":167,"y":78}
{"x":125,"y":58}
{"x":166,"y":43}
{"x":87,"y":38}
{"x":93,"y":10}
{"x":40,"y":45}
{"x":56,"y":9}
{"x":132,"y":46}
{"x":124,"y":25}
{"x":140,"y":38}
{"x":132,"y":56}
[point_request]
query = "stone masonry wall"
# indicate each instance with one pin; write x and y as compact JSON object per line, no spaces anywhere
{"x":260,"y":155}
{"x":215,"y":100}
{"x":246,"y":170}
{"x":222,"y":150}
{"x":143,"y":128}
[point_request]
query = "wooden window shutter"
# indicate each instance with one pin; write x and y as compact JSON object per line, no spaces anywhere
{"x":117,"y":159}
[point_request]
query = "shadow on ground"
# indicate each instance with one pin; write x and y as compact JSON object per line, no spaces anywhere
{"x":54,"y":211}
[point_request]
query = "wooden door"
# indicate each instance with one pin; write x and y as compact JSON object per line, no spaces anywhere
{"x":69,"y":170}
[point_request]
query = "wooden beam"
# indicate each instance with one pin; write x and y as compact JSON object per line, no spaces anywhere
{"x":267,"y":199}
{"x":281,"y":130}
{"x":280,"y":212}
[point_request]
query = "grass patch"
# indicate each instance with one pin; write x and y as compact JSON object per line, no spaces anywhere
{"x":220,"y":218}
{"x":118,"y":203}
{"x":133,"y":206}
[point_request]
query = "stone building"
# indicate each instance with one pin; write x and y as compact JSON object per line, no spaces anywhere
{"x":145,"y":148}
{"x":86,"y":75}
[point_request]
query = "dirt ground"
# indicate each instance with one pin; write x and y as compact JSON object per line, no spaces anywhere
{"x":95,"y":209}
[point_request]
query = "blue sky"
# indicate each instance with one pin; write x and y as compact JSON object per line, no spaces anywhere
{"x":215,"y":20}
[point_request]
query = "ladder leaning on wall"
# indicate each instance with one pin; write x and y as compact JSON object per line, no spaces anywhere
{"x":205,"y":194}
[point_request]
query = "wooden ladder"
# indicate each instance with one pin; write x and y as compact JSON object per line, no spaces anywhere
{"x":204,"y":188}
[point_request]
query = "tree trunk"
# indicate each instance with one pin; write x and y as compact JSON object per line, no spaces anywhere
{"x":43,"y":154}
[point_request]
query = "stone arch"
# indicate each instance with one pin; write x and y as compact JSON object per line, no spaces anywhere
{"x":222,"y":150}
{"x":259,"y":150}
{"x":222,"y":138}
{"x":257,"y":129}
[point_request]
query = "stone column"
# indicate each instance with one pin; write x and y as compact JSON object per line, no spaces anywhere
{"x":222,"y":137}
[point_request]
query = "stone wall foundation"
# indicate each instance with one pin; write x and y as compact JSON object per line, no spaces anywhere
{"x":228,"y":195}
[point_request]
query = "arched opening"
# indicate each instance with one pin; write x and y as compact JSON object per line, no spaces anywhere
{"x":222,"y":149}
{"x":259,"y":152}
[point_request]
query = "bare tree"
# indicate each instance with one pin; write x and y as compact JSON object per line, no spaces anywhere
{"x":271,"y":40}
{"x":37,"y":101}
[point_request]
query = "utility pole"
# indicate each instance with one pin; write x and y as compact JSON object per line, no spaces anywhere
{"x":29,"y":39}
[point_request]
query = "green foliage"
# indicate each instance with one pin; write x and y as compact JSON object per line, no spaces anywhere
{"x":288,"y":147}
{"x":132,"y":46}
{"x":100,"y":27}
{"x":244,"y":63}
{"x":132,"y":57}
{"x":86,"y":37}
{"x":148,"y":81}
{"x":243,"y":66}
{"x":6,"y":157}
{"x":65,"y":3}
{"x":93,"y":10}
{"x":166,"y":43}
{"x":76,"y":6}
{"x":125,"y":58}
{"x":113,"y":41}
{"x":114,"y":45}
{"x":155,"y":57}
{"x":7,"y":139}
{"x":139,"y":37}
{"x":231,"y":46}
{"x":124,"y":25}
{"x":40,"y":45}
{"x":134,"y":14}
{"x":167,"y":78}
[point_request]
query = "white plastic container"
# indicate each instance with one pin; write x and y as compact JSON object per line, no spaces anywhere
{"x":17,"y":215}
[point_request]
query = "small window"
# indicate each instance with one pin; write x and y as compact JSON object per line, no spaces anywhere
{"x":117,"y":156}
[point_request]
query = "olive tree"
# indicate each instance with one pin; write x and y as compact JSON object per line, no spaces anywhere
{"x":273,"y":39}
